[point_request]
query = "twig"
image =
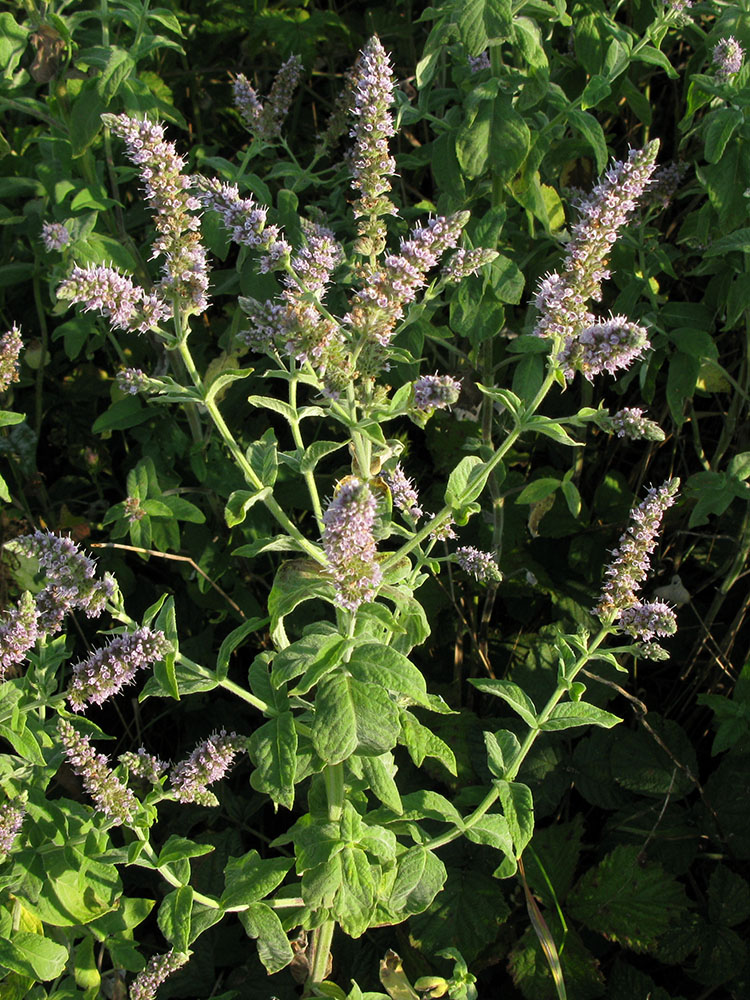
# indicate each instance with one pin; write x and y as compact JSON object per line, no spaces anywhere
{"x":171,"y":555}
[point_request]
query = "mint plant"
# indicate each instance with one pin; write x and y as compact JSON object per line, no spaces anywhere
{"x":329,"y":707}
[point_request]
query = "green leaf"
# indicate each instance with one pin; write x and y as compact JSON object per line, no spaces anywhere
{"x":502,"y":750}
{"x":595,"y":91}
{"x":33,"y":955}
{"x":510,"y":693}
{"x":738,"y":240}
{"x":7,"y":417}
{"x":179,"y":848}
{"x":383,"y":666}
{"x":578,"y":713}
{"x":718,"y":129}
{"x":681,"y":380}
{"x":421,"y":742}
{"x":232,"y":641}
{"x":316,"y":451}
{"x":240,"y":502}
{"x":655,"y":57}
{"x":85,"y":117}
{"x":164,"y":670}
{"x":538,"y":490}
{"x":250,"y":878}
{"x":273,"y":751}
{"x":507,"y":280}
{"x":466,"y":482}
{"x":593,"y":133}
{"x":182,"y":509}
{"x":277,"y":405}
{"x":296,"y":580}
{"x":518,"y":806}
{"x":493,"y":830}
{"x":13,"y":40}
{"x":356,"y":895}
{"x":122,"y":415}
{"x":728,"y":897}
{"x":629,"y":899}
{"x":118,"y":67}
{"x":174,"y":917}
{"x":420,"y":876}
{"x":378,"y":772}
{"x":274,"y":950}
{"x":349,"y":715}
{"x":263,"y":458}
{"x":481,"y":21}
{"x":225,"y":379}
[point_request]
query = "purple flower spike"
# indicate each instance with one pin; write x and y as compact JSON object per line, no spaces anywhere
{"x":55,"y":236}
{"x":112,"y":294}
{"x":265,"y":120}
{"x":481,"y":565}
{"x":144,"y":765}
{"x":18,"y":633}
{"x":159,"y":967}
{"x":403,"y":492}
{"x":377,"y":307}
{"x":604,"y":346}
{"x":727,"y":57}
{"x":465,"y":262}
{"x":436,"y":392}
{"x":631,"y":423}
{"x":71,"y":582}
{"x":631,"y":560}
{"x":370,"y":162}
{"x":167,"y":189}
{"x":646,"y":620}
{"x":11,"y":820}
{"x":350,"y":546}
{"x":10,"y":349}
{"x":209,"y":762}
{"x":561,"y":298}
{"x":109,"y":794}
{"x":108,"y":670}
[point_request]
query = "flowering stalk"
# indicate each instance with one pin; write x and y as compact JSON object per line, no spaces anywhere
{"x":19,"y":630}
{"x":370,"y":162}
{"x":10,"y":349}
{"x":109,"y":794}
{"x":106,"y":671}
{"x":159,"y":967}
{"x":350,"y":546}
{"x":167,"y":188}
{"x":11,"y":820}
{"x":265,"y":120}
{"x":562,"y":297}
{"x":209,"y":762}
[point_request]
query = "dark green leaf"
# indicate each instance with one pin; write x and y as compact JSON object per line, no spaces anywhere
{"x":274,"y":950}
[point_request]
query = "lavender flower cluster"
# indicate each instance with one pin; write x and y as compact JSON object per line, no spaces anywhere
{"x":481,"y":565}
{"x":403,"y":492}
{"x":107,"y":670}
{"x":562,"y":297}
{"x":377,"y":307}
{"x":629,"y":567}
{"x":631,"y":423}
{"x":159,"y":967}
{"x":436,"y":392}
{"x":350,"y":545}
{"x":168,"y":193}
{"x":265,"y":119}
{"x":110,"y":795}
{"x":11,"y":820}
{"x":71,"y":582}
{"x":144,"y":765}
{"x":55,"y":236}
{"x":244,"y":218}
{"x":370,"y":162}
{"x":114,"y":295}
{"x":10,"y":349}
{"x":209,"y":762}
{"x":18,"y":633}
{"x":727,"y":57}
{"x":464,"y":263}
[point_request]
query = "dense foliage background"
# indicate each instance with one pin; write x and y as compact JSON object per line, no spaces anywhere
{"x":639,"y":861}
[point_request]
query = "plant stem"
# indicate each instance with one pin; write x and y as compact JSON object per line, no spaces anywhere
{"x":491,"y":797}
{"x":249,"y":473}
